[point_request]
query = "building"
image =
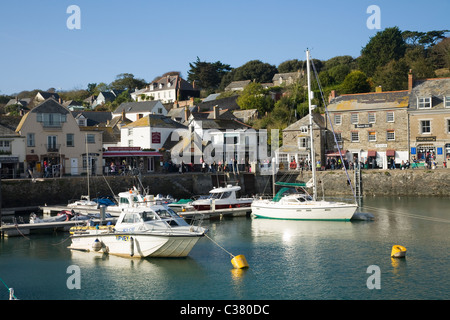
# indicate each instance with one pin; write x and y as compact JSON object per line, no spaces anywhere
{"x":429,"y":119}
{"x":371,"y":127}
{"x":137,"y":110}
{"x":106,"y":96}
{"x":55,"y":142}
{"x":286,"y":79}
{"x":296,"y":148}
{"x":141,"y":142}
{"x":12,"y":149}
{"x":167,"y":89}
{"x":237,"y":85}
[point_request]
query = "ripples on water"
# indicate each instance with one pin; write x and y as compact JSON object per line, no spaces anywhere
{"x":289,"y":260}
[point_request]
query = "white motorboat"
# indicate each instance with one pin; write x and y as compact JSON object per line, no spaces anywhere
{"x":154,"y":231}
{"x":222,"y":198}
{"x":128,"y":199}
{"x":300,"y":205}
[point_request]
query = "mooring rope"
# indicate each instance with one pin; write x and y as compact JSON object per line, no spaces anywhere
{"x":220,"y":246}
{"x":408,"y":214}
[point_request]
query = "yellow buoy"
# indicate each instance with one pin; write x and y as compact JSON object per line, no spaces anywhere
{"x":398,"y":251}
{"x":239,"y":262}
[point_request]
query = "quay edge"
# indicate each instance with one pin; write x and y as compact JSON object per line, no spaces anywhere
{"x":411,"y":182}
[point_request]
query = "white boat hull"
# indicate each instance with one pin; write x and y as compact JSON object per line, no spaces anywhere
{"x":137,"y":245}
{"x":317,"y":210}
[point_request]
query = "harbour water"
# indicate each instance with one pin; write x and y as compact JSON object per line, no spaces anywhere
{"x":289,"y":260}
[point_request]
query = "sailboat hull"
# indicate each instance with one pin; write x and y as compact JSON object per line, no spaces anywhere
{"x":317,"y":210}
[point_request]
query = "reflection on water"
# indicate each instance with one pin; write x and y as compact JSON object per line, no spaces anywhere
{"x":288,"y":260}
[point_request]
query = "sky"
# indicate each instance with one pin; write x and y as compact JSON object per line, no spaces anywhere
{"x":148,"y":38}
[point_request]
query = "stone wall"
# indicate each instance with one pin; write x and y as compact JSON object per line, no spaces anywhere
{"x":418,"y":182}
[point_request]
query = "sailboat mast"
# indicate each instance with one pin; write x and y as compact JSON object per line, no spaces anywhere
{"x":311,"y":133}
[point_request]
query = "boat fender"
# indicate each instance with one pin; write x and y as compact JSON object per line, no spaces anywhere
{"x":97,"y":245}
{"x":132,"y":247}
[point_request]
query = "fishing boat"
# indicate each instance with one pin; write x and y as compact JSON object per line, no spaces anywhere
{"x":293,"y":202}
{"x":222,"y":198}
{"x":154,"y":231}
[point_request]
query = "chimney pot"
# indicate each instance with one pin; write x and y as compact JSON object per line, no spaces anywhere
{"x":410,"y":80}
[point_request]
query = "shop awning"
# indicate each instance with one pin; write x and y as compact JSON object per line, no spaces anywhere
{"x":372,"y":153}
{"x":390,"y":153}
{"x":336,"y":153}
{"x":109,"y":154}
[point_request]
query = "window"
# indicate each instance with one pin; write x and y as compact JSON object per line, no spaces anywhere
{"x":130,"y":143}
{"x":372,"y":136}
{"x":303,"y":142}
{"x":354,"y":118}
{"x":390,"y":116}
{"x":424,"y":103}
{"x":304,"y":129}
{"x":54,"y":120}
{"x":5,"y":146}
{"x":30,"y":140}
{"x":447,"y":101}
{"x":70,"y":141}
{"x":425,"y":126}
{"x":90,"y":138}
{"x":51,"y":144}
{"x":282,"y":157}
{"x":337,"y":119}
{"x":130,"y":131}
{"x":160,"y":110}
{"x":338,"y":137}
{"x":355,"y":136}
{"x":372,"y":118}
{"x":448,"y":126}
{"x":390,"y":135}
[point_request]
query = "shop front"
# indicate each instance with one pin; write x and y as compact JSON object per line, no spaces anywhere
{"x":125,"y":160}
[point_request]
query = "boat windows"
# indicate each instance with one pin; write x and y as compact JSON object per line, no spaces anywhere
{"x":148,"y":216}
{"x":131,"y":218}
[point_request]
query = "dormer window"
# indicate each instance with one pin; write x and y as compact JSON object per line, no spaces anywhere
{"x":424,"y":102}
{"x":160,"y":85}
{"x":81,"y":122}
{"x":447,"y":101}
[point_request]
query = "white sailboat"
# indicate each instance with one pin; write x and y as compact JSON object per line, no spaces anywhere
{"x":290,"y":203}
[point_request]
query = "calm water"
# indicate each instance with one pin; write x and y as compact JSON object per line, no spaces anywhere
{"x":288,"y":260}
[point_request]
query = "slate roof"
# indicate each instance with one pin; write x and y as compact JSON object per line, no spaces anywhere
{"x":437,"y":89}
{"x":136,"y":107}
{"x":50,"y":106}
{"x":224,"y":103}
{"x":370,"y":101}
{"x":94,"y":118}
{"x":155,"y":120}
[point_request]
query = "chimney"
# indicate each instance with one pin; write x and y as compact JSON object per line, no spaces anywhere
{"x":216,"y":112}
{"x":410,"y":80}
{"x":123,"y":114}
{"x":186,"y":113}
{"x":193,"y":84}
{"x":332,"y":95}
{"x":379,"y":89}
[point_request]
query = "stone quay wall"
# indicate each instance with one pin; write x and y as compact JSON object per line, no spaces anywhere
{"x":417,"y":182}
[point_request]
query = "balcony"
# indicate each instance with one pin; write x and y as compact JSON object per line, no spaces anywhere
{"x":54,"y":148}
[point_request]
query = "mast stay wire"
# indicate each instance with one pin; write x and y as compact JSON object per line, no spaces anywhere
{"x":332,"y":129}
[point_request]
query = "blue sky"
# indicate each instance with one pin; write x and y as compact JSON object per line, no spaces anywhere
{"x":148,"y":38}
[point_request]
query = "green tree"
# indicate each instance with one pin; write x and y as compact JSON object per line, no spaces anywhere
{"x":254,"y":97}
{"x":291,"y":66}
{"x":209,"y":74}
{"x":385,"y":46}
{"x":393,"y":76}
{"x":127,"y":81}
{"x":254,"y":70}
{"x":355,"y":82}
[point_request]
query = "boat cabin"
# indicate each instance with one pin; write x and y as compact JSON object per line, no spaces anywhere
{"x":156,"y":213}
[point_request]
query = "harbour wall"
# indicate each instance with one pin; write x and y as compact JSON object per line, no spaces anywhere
{"x":417,"y":182}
